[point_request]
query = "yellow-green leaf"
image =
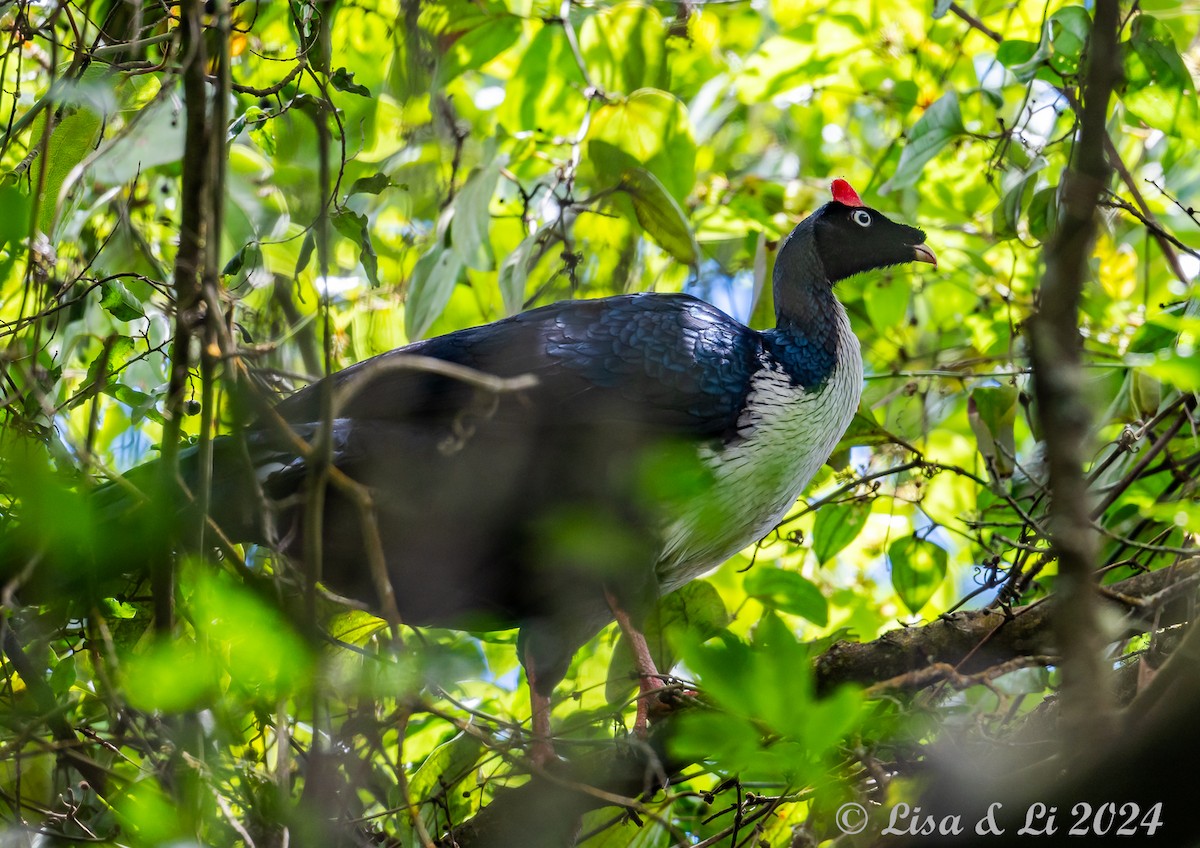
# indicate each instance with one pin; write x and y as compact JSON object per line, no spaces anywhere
{"x":918,"y":569}
{"x":837,"y":525}
{"x":650,"y":130}
{"x":660,"y":216}
{"x":788,"y":592}
{"x":941,"y":124}
{"x":623,"y":47}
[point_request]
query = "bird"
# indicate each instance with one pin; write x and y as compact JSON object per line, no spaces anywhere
{"x":648,"y":439}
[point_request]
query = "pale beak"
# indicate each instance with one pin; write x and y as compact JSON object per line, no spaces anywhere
{"x":923,"y":253}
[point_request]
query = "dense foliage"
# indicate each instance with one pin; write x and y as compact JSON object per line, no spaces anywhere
{"x":387,"y":171}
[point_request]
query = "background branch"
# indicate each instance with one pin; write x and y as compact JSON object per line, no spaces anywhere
{"x":1062,"y":409}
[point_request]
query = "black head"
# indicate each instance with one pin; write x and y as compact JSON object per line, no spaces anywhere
{"x":852,"y":238}
{"x":840,"y":239}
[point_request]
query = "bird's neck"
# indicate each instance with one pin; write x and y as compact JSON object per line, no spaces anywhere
{"x":809,"y":321}
{"x":803,"y":307}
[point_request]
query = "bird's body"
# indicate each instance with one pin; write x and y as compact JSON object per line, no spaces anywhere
{"x":473,"y":483}
{"x":661,"y":437}
{"x":784,"y":433}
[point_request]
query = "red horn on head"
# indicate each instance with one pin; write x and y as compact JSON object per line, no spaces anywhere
{"x":843,"y":193}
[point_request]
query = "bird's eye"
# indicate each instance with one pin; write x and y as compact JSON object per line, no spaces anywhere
{"x":861,"y":217}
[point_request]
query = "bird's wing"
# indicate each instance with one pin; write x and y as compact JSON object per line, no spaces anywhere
{"x":670,"y":363}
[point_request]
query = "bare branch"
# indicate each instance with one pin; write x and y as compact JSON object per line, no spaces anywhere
{"x":974,"y":641}
{"x":1061,"y":407}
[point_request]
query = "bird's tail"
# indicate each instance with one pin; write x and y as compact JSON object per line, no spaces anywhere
{"x":61,"y":537}
{"x":231,"y":505}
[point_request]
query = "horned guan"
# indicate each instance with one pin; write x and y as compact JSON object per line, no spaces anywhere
{"x":659,"y":438}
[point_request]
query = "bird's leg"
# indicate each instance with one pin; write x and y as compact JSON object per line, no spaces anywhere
{"x":542,"y":751}
{"x":649,"y":679}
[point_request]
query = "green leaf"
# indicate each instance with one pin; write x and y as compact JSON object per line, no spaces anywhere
{"x":343,"y":80}
{"x":1060,"y":47}
{"x":1180,"y":371}
{"x":1158,"y":333}
{"x":14,"y":223}
{"x":514,"y":271}
{"x":122,"y":610}
{"x":778,"y":65}
{"x":470,"y":229}
{"x":446,"y":663}
{"x":544,"y":93}
{"x":148,"y":815}
{"x":73,"y":138}
{"x":254,"y":117}
{"x":827,"y":720}
{"x":623,"y":47}
{"x":1154,"y":45}
{"x":864,"y":430}
{"x":260,"y":651}
{"x":696,"y":607}
{"x":1158,"y":88}
{"x":992,"y":413}
{"x":429,"y":289}
{"x":726,"y":668}
{"x":1069,"y":29}
{"x":235,"y":263}
{"x":770,"y":681}
{"x":648,"y":130}
{"x":660,"y":216}
{"x":369,"y":260}
{"x":169,"y":676}
{"x":155,"y":138}
{"x":941,"y":124}
{"x":1145,"y":394}
{"x":918,"y":569}
{"x":374,"y":184}
{"x":355,"y":227}
{"x":996,"y":407}
{"x":349,"y":224}
{"x":307,"y":245}
{"x":355,"y":627}
{"x":249,"y":255}
{"x":1008,"y":214}
{"x":117,"y":300}
{"x":476,"y":41}
{"x":1043,"y":213}
{"x":837,"y":525}
{"x":263,"y":134}
{"x":703,"y":735}
{"x":1023,"y":58}
{"x":141,"y":405}
{"x":788,"y":592}
{"x":445,"y":766}
{"x":235,"y":128}
{"x":906,"y":93}
{"x":784,"y":673}
{"x":63,"y":675}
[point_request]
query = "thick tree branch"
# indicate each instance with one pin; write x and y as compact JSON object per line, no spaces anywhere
{"x":974,"y":641}
{"x":1147,"y":764}
{"x":1061,"y":407}
{"x":189,"y":261}
{"x":216,"y":343}
{"x":544,"y":812}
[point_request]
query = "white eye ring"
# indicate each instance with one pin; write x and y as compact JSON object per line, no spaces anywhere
{"x":861,"y":217}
